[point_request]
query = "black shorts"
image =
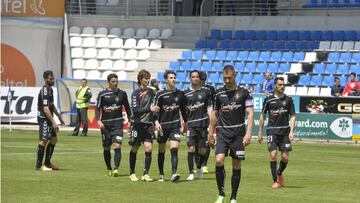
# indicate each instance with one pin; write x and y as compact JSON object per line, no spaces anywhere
{"x":169,"y":134}
{"x":46,"y":131}
{"x":234,"y":144}
{"x":111,"y":134}
{"x":197,"y":137}
{"x":279,"y":141}
{"x":142,"y":133}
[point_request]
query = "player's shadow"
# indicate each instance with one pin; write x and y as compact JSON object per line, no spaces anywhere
{"x":293,"y":186}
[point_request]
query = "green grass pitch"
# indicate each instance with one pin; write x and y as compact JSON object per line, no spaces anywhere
{"x":316,"y":173}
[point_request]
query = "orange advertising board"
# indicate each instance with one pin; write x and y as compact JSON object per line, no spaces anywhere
{"x":48,"y":8}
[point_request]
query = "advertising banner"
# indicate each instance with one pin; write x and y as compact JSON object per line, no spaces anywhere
{"x":48,"y":8}
{"x":339,"y":105}
{"x":259,"y":101}
{"x":356,"y":127}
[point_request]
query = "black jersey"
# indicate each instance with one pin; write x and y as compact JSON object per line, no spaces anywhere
{"x":141,"y":100}
{"x":212,"y":92}
{"x":110,"y":104}
{"x":170,"y":102}
{"x":197,"y":102}
{"x":230,"y":105}
{"x":45,"y":98}
{"x":279,"y":111}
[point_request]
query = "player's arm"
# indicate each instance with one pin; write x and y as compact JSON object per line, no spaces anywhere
{"x":156,"y":109}
{"x":292,"y":120}
{"x":98,"y":111}
{"x":183,"y":115}
{"x":127,"y":108}
{"x":250,"y":125}
{"x":45,"y":94}
{"x":57,"y":114}
{"x":261,"y":126}
{"x":213,"y":121}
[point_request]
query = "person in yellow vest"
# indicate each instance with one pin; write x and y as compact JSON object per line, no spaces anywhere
{"x":83,"y":96}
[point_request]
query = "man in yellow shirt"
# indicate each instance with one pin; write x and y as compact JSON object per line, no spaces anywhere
{"x":83,"y":96}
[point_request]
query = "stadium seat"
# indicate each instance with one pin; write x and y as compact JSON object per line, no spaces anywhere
{"x":313,"y":91}
{"x":257,"y":89}
{"x":131,"y":65}
{"x":79,"y":74}
{"x":143,"y":55}
{"x":119,"y":65}
{"x":201,"y":44}
{"x":206,"y":66}
{"x":245,"y":45}
{"x":287,"y":57}
{"x":293,"y":35}
{"x":239,"y":35}
{"x":179,"y":86}
{"x":197,"y":55}
{"x":141,"y":33}
{"x":106,"y":64}
{"x":304,"y":80}
{"x":348,"y":46}
{"x":130,"y":54}
{"x":236,"y":45}
{"x":299,"y":56}
{"x":114,"y":32}
{"x":160,"y":76}
{"x":121,"y":75}
{"x":357,"y":45}
{"x":328,"y":81}
{"x":330,"y":69}
{"x":250,"y":67}
{"x":296,"y":68}
{"x":239,"y":67}
{"x":225,"y":44}
{"x":232,"y":55}
{"x":279,"y":45}
{"x":74,"y":31}
{"x":284,"y":67}
{"x":104,"y":53}
{"x":310,"y":57}
{"x":253,"y":56}
{"x":336,"y":45}
{"x":226,"y":34}
{"x":343,"y":80}
{"x":264,"y":56}
{"x":155,"y":44}
{"x":142,"y":44}
{"x":90,"y":53}
{"x":88,"y":42}
{"x":290,"y":90}
{"x":302,"y":91}
{"x":217,"y":66}
{"x":93,"y":75}
{"x":130,"y":43}
{"x":333,"y":57}
{"x":195,"y":65}
{"x":101,"y":32}
{"x":174,"y":65}
{"x":327,"y":36}
{"x":186,"y":66}
{"x":129,"y":33}
{"x":116,"y":43}
{"x":350,"y":35}
{"x":258,"y":79}
{"x":75,"y":41}
{"x":118,"y":54}
{"x":324,"y":45}
{"x":325,"y":91}
{"x":271,"y":35}
{"x":181,"y":77}
{"x":249,"y":34}
{"x":243,"y":55}
{"x":154,"y":33}
{"x":211,"y":44}
{"x":282,"y":35}
{"x":268,"y":45}
{"x":302,"y":45}
{"x":272,"y":68}
{"x":186,"y":55}
{"x":213,"y":78}
{"x":345,"y":57}
{"x":166,"y":33}
{"x":355,"y":69}
{"x":339,"y":35}
{"x":276,"y":56}
{"x":355,"y":58}
{"x":260,"y":35}
{"x":247,"y":79}
{"x":103,"y":42}
{"x":210,"y":55}
{"x":261,"y":67}
{"x":257,"y":45}
{"x":315,"y":35}
{"x":88,"y":31}
{"x":105,"y":74}
{"x":319,"y":68}
{"x":312,"y":45}
{"x":76,"y":52}
{"x":215,"y":34}
{"x":186,"y":85}
{"x":290,"y":46}
{"x":316,"y":80}
{"x":238,"y":78}
{"x":220,"y":55}
{"x":78,"y":63}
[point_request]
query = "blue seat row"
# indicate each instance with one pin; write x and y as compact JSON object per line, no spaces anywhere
{"x":351,"y":35}
{"x":347,"y":57}
{"x":222,"y":55}
{"x":257,"y":45}
{"x":184,"y":85}
{"x":332,"y":3}
{"x":341,"y":69}
{"x":318,"y":80}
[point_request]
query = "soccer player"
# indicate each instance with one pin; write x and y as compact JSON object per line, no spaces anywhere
{"x":198,"y":109}
{"x":231,"y":104}
{"x":47,"y":125}
{"x":143,"y":128}
{"x":108,"y":113}
{"x":168,"y":104}
{"x":279,"y":134}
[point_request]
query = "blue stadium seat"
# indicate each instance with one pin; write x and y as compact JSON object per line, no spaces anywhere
{"x":327,"y":36}
{"x":160,"y":76}
{"x":210,"y":55}
{"x":250,"y":67}
{"x":293,"y":35}
{"x":343,"y":80}
{"x":272,"y":68}
{"x":239,"y":35}
{"x":186,"y":85}
{"x":350,"y":35}
{"x":225,"y":44}
{"x":185,"y":66}
{"x":221,"y":78}
{"x":213,"y":78}
{"x":339,"y":35}
{"x":186,"y":55}
{"x":355,"y":69}
{"x":284,"y":67}
{"x":243,"y":55}
{"x":305,"y":35}
{"x":355,"y":58}
{"x":217,"y":66}
{"x":239,"y":67}
{"x":201,"y":44}
{"x":246,"y":79}
{"x":287,"y":57}
{"x":304,"y":80}
{"x":299,"y":56}
{"x":316,"y":35}
{"x":264,"y":56}
{"x":260,"y":35}
{"x":215,"y":34}
{"x":290,"y":45}
{"x":271,"y":35}
{"x":206,"y":66}
{"x":268,"y":45}
{"x":333,"y":57}
{"x":302,"y":45}
{"x":226,"y":34}
{"x":343,"y":69}
{"x":316,"y":80}
{"x":330,"y":69}
{"x":253,"y":56}
{"x":249,"y":34}
{"x":174,"y":65}
{"x":261,"y":67}
{"x":257,"y":89}
{"x":276,"y":56}
{"x":232,"y":55}
{"x":211,"y":44}
{"x":238,"y":78}
{"x":257,"y":45}
{"x":197,"y":55}
{"x":328,"y":81}
{"x":313,"y":45}
{"x":235,"y":45}
{"x":282,"y":35}
{"x":220,"y":55}
{"x":358,"y":33}
{"x":180,"y":76}
{"x":179,"y":86}
{"x":319,"y":68}
{"x":195,"y":65}
{"x":279,"y":45}
{"x":258,"y":79}
{"x":345,"y":57}
{"x":245,"y":45}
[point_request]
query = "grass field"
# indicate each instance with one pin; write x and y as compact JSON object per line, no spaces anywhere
{"x":316,"y":173}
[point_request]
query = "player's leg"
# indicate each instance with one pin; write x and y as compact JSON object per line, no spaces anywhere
{"x":44,"y":136}
{"x":148,"y":152}
{"x":201,"y":142}
{"x":106,"y":143}
{"x":174,"y":147}
{"x":220,"y":152}
{"x":272,"y":144}
{"x":285,"y":148}
{"x":205,"y":169}
{"x":135,"y":142}
{"x":117,"y":136}
{"x":191,"y":152}
{"x":237,"y":153}
{"x":162,"y":139}
{"x":50,"y":150}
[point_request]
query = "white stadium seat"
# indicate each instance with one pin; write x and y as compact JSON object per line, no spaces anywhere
{"x":91,"y":64}
{"x":129,"y":32}
{"x":88,"y":31}
{"x":348,"y":46}
{"x":131,"y":65}
{"x":141,"y":33}
{"x":101,"y":2}
{"x":290,"y":90}
{"x":130,"y":54}
{"x":112,"y":2}
{"x":143,"y":54}
{"x":119,"y":65}
{"x":336,"y":45}
{"x":89,"y":42}
{"x":90,"y":53}
{"x":296,"y":68}
{"x":106,"y":65}
{"x":324,"y":45}
{"x":357,"y":46}
{"x":93,"y":74}
{"x":76,"y":52}
{"x":79,"y":74}
{"x":301,"y":91}
{"x":105,"y":74}
{"x":118,"y":54}
{"x":325,"y":91}
{"x":103,"y":42}
{"x":75,"y":41}
{"x":154,"y":33}
{"x":101,"y":32}
{"x":155,"y":44}
{"x":166,"y":33}
{"x":74,"y":31}
{"x":114,"y":32}
{"x":121,"y":75}
{"x":142,"y":44}
{"x":130,"y":43}
{"x":116,"y":43}
{"x":78,"y":63}
{"x":104,"y":53}
{"x":313,"y":91}
{"x":310,"y":57}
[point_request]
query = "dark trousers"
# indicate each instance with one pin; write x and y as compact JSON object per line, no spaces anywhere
{"x":196,"y":7}
{"x":81,"y":118}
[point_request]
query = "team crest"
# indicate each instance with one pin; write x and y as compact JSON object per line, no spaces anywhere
{"x":237,"y":95}
{"x":284,"y":103}
{"x":117,"y":99}
{"x":200,"y":96}
{"x":176,"y":99}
